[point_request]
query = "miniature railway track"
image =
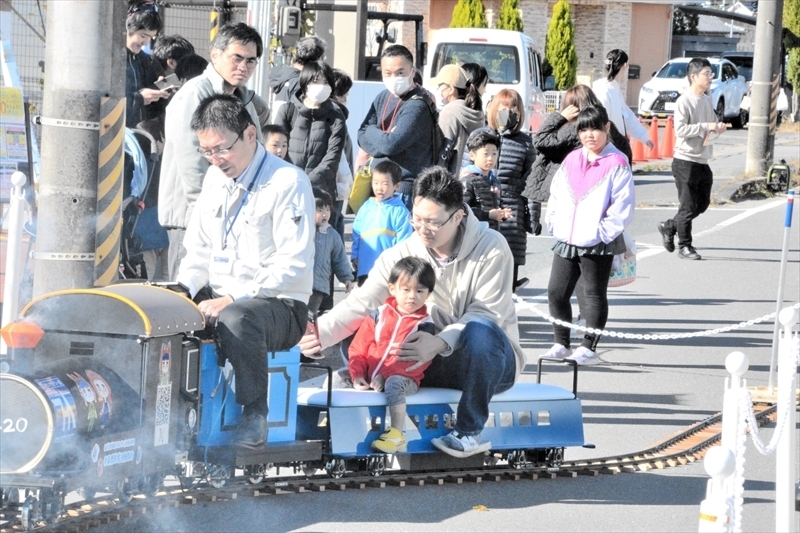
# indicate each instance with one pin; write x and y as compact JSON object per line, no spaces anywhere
{"x":679,"y":449}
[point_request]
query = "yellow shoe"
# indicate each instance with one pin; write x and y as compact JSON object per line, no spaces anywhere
{"x":391,"y":441}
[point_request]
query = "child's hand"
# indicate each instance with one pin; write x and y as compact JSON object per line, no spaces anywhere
{"x":348,"y":286}
{"x":377,"y":383}
{"x":496,"y":214}
{"x":506,"y":213}
{"x":360,"y":384}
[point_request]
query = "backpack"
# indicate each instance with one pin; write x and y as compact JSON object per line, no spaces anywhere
{"x":444,"y":149}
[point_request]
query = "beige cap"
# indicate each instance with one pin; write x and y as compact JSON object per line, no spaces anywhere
{"x":451,"y":75}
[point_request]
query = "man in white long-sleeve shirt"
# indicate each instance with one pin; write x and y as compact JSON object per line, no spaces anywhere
{"x":249,"y":251}
{"x":694,"y":121}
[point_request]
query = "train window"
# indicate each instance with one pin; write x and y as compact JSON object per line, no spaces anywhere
{"x":506,"y":419}
{"x":322,"y":420}
{"x":431,"y":421}
{"x":543,"y":418}
{"x":524,"y":418}
{"x":450,"y":421}
{"x":414,"y":420}
{"x":489,"y":421}
{"x":374,"y":423}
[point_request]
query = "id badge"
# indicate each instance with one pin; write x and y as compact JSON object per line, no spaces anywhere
{"x":221,"y":262}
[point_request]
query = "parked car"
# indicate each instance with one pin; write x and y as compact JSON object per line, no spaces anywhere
{"x":658,"y":96}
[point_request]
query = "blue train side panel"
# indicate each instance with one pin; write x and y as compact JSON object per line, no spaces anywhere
{"x":219,"y":412}
{"x":527,"y":416}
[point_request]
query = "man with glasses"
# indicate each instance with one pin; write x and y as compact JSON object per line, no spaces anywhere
{"x":476,"y":348}
{"x":249,"y":251}
{"x":696,"y":127}
{"x":234,"y":55}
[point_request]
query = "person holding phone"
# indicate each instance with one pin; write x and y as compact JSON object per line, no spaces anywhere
{"x":144,"y":98}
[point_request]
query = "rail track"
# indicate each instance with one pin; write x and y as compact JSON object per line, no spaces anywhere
{"x":682,"y":448}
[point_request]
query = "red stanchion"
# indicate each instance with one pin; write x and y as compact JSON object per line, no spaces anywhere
{"x":668,"y":143}
{"x":652,"y":153}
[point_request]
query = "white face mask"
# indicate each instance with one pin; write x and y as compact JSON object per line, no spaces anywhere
{"x":318,"y":92}
{"x":397,"y":85}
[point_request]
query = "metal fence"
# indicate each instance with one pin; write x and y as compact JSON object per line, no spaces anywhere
{"x":27,"y":20}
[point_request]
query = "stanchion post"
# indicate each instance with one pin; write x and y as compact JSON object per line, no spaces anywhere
{"x":715,"y":510}
{"x":16,"y":214}
{"x":737,"y":364}
{"x":787,"y":227}
{"x":786,"y":453}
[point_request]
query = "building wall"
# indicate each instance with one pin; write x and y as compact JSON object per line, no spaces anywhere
{"x":651,"y":36}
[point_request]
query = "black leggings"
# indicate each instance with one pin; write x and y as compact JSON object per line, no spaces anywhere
{"x":593,"y":271}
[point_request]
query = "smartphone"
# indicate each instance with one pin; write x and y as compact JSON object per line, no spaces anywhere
{"x":170,"y":82}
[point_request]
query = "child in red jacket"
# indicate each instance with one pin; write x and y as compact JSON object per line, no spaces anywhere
{"x":371,"y":364}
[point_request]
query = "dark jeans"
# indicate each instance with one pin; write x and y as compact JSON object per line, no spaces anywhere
{"x":248,"y":330}
{"x":483,"y":364}
{"x":693,"y":181}
{"x":593,"y":271}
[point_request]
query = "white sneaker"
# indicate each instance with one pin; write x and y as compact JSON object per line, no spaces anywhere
{"x":558,"y":350}
{"x":584,"y":357}
{"x":461,"y":446}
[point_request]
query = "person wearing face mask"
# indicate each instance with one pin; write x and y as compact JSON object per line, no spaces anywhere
{"x":399,"y":124}
{"x":461,"y":109}
{"x":316,"y":128}
{"x":516,"y":155}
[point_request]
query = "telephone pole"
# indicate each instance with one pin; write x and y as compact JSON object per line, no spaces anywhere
{"x":80,"y":190}
{"x":765,"y":87}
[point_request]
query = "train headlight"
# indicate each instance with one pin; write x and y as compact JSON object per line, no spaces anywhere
{"x":21,"y":334}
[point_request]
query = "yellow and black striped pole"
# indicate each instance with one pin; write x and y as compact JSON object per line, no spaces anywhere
{"x":110,"y":163}
{"x":215,"y":24}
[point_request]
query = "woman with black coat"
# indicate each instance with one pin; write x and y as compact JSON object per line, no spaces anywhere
{"x":504,"y":115}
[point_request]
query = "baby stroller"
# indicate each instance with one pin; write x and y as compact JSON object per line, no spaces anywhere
{"x":140,"y":228}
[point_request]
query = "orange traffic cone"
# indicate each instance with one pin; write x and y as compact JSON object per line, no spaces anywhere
{"x":668,"y":143}
{"x":652,"y":153}
{"x":637,"y":151}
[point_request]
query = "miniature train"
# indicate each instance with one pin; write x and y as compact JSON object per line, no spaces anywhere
{"x":111,"y":390}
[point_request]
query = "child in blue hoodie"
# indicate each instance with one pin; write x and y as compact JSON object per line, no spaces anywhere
{"x":382,"y":221}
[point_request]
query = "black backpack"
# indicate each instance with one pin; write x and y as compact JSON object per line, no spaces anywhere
{"x":444,"y":149}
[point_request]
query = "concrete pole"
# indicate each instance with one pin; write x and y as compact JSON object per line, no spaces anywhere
{"x":766,"y":72}
{"x":94,"y":34}
{"x":259,"y":16}
{"x":360,"y":69}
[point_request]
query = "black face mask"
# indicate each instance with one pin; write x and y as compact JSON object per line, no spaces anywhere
{"x":507,"y":119}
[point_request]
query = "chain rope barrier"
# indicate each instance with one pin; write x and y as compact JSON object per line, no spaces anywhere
{"x":646,"y":336}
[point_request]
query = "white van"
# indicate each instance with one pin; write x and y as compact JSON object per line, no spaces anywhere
{"x":509,"y":57}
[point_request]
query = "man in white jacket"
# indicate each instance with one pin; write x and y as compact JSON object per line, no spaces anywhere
{"x":249,"y":252}
{"x":476,"y":348}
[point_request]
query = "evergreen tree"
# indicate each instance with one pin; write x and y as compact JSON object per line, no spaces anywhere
{"x":510,"y":18}
{"x":560,"y":47}
{"x":479,"y":15}
{"x":461,"y":14}
{"x":791,"y":41}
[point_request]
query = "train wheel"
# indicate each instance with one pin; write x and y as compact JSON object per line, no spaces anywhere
{"x":335,"y":468}
{"x":218,"y":476}
{"x":517,"y":459}
{"x":31,"y":513}
{"x":255,"y":473}
{"x":51,"y":505}
{"x":376,"y":465}
{"x":125,"y":491}
{"x":555,"y":456}
{"x":309,"y":470}
{"x":153,"y":484}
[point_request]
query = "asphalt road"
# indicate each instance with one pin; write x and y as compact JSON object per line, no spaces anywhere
{"x":641,"y":393}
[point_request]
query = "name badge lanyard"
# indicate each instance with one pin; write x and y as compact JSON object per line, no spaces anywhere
{"x":229,"y":227}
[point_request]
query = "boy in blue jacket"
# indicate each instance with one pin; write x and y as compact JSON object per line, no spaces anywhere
{"x":382,"y":221}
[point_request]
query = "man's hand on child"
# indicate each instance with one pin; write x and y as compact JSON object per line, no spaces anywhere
{"x":419,"y":347}
{"x":360,"y":384}
{"x":310,"y":346}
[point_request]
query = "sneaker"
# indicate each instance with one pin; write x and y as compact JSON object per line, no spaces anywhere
{"x":575,"y":333}
{"x":521,"y":284}
{"x":558,"y":350}
{"x":391,"y":441}
{"x":584,"y":357}
{"x":688,"y":252}
{"x":667,"y":237}
{"x":251,"y":433}
{"x":461,"y":446}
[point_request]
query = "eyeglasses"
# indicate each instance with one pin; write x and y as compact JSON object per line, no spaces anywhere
{"x":209,"y":154}
{"x":250,"y":62}
{"x":431,"y":226}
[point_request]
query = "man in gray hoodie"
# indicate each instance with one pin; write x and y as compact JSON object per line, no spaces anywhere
{"x":234,"y":56}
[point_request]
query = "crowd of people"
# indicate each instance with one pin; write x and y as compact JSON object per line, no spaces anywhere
{"x":251,"y":200}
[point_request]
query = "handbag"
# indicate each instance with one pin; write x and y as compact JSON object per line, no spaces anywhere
{"x":623,"y":267}
{"x":362,"y":186}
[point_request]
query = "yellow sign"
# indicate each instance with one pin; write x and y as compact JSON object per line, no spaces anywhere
{"x":11,"y":110}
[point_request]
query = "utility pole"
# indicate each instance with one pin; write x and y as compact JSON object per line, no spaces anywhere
{"x":361,"y":40}
{"x":765,"y":87}
{"x":83,"y":119}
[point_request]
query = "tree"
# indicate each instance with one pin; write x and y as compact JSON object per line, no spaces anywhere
{"x":791,"y":41}
{"x":684,"y":23}
{"x":510,"y":18}
{"x":560,"y":51}
{"x":469,"y":14}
